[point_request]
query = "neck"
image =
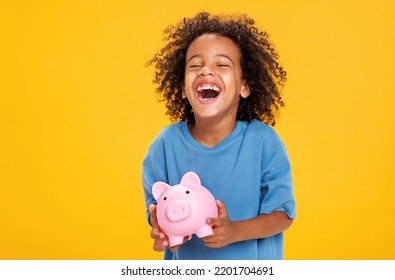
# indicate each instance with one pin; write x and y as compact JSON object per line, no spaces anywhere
{"x":211,"y":134}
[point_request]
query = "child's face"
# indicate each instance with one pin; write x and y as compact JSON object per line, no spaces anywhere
{"x":213,"y":78}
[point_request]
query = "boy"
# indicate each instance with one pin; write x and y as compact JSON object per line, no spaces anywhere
{"x":221,"y":81}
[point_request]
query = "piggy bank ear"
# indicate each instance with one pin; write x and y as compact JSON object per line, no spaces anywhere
{"x":158,"y":188}
{"x":191,"y":179}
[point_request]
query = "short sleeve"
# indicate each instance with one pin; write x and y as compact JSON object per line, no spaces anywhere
{"x":276,"y":180}
{"x":153,"y":170}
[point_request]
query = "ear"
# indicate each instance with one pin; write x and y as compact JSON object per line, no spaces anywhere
{"x":191,"y":179}
{"x":245,"y":90}
{"x":158,"y":188}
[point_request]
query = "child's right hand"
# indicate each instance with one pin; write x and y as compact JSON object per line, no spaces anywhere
{"x":160,"y":239}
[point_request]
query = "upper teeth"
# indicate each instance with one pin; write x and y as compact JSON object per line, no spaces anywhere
{"x":208,"y":87}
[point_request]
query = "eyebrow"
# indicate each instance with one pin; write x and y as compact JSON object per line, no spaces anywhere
{"x":217,"y":55}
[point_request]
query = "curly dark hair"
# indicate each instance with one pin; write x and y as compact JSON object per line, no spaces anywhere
{"x":259,"y":64}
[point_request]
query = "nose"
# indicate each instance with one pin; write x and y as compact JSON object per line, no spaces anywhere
{"x":178,"y":211}
{"x":205,"y":71}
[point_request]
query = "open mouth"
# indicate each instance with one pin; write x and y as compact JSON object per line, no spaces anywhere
{"x":208,"y":92}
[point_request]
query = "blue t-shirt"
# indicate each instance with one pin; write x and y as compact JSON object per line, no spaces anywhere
{"x":249,"y":171}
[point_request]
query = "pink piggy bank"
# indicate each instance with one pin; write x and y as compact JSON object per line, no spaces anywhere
{"x":182,"y":210}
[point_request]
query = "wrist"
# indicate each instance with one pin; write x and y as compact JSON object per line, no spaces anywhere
{"x":237,"y":231}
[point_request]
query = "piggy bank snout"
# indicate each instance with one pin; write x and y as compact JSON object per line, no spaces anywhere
{"x":178,"y":211}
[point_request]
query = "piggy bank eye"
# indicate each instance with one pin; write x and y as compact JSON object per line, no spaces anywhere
{"x":187,"y":192}
{"x":165,"y":198}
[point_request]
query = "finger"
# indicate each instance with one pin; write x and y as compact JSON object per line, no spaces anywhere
{"x":209,"y":239}
{"x":212,"y":244}
{"x":222,"y":213}
{"x":160,"y":245}
{"x":157,"y":233}
{"x":152,"y":211}
{"x":217,"y":222}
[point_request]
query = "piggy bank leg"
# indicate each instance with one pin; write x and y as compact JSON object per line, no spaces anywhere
{"x":176,"y":240}
{"x":204,"y":231}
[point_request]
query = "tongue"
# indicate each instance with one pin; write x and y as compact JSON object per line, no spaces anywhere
{"x":209,"y":94}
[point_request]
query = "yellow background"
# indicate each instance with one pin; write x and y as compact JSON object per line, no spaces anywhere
{"x":78,"y":112}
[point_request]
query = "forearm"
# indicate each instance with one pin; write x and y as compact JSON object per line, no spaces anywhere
{"x":261,"y":226}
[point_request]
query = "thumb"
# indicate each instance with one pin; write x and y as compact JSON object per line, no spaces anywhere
{"x":152,"y":208}
{"x":152,"y":211}
{"x":222,"y":212}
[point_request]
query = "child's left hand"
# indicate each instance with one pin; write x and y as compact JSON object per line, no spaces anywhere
{"x":223,"y":232}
